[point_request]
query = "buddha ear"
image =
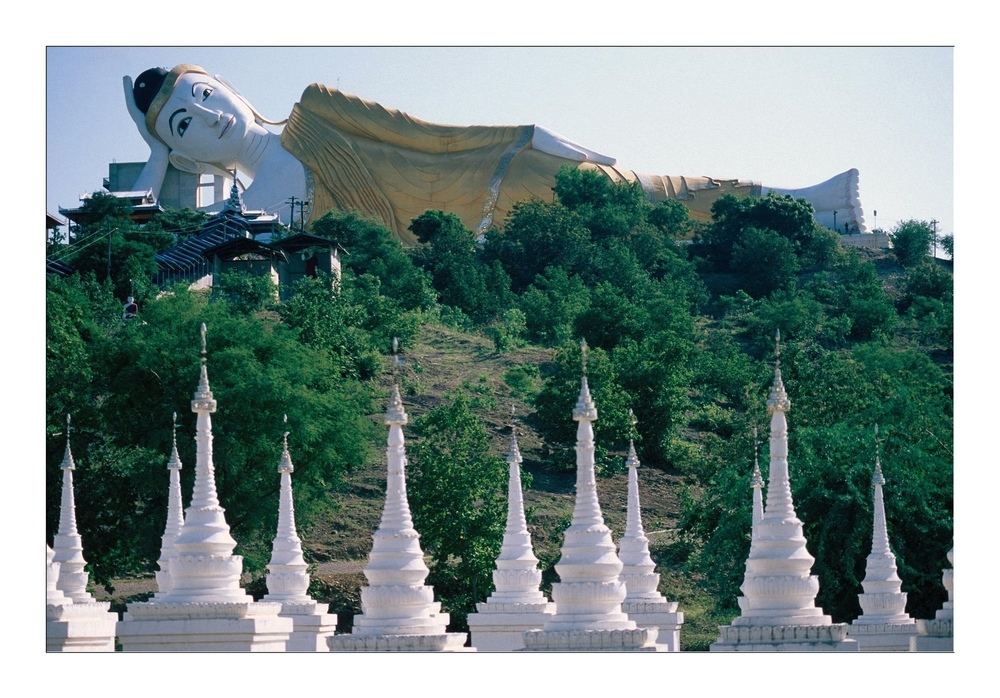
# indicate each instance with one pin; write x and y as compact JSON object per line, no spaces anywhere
{"x":186,"y":164}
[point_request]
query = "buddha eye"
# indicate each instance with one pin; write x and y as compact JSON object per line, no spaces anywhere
{"x":183,"y":125}
{"x":205,"y":93}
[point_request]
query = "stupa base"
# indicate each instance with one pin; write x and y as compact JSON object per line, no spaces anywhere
{"x":662,"y":615}
{"x":502,"y":628}
{"x":311,"y":626}
{"x":633,"y":640}
{"x":442,"y":642}
{"x":784,"y":638}
{"x":244,"y":626}
{"x":935,"y":635}
{"x":882,"y":637}
{"x":80,"y":627}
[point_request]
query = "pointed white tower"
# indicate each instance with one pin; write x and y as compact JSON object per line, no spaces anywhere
{"x":74,"y":627}
{"x":517,"y":604}
{"x":287,"y":579}
{"x":643,"y":603}
{"x":68,"y":545}
{"x":74,"y":621}
{"x":779,"y":593}
{"x":757,"y":483}
{"x":938,"y":633}
{"x":205,"y":608}
{"x":589,"y":595}
{"x":398,"y":611}
{"x":175,"y":517}
{"x":884,"y":624}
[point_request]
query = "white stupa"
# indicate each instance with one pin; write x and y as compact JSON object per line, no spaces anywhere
{"x":399,"y":613}
{"x":287,"y":579}
{"x":74,"y":627}
{"x":643,"y":603}
{"x":68,"y":544}
{"x":74,"y":621}
{"x":517,"y":604}
{"x":778,"y":605}
{"x":589,"y":595}
{"x":175,"y":518}
{"x":938,"y":633}
{"x":884,"y":625}
{"x":205,"y":609}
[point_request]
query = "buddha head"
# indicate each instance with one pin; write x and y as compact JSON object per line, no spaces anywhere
{"x":206,"y":123}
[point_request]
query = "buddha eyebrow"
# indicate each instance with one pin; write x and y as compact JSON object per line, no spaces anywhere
{"x":170,"y":121}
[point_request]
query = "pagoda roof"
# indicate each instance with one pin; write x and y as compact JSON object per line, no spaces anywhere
{"x":237,"y":246}
{"x":301,"y":241}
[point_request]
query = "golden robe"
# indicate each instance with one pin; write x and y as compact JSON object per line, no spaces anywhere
{"x":392,"y":167}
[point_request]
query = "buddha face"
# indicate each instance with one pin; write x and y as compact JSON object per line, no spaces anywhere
{"x":204,"y":120}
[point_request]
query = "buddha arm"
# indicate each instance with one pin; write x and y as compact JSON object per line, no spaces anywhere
{"x":153,"y":173}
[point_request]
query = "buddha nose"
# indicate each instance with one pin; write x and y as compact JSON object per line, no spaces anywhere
{"x":211,"y":116}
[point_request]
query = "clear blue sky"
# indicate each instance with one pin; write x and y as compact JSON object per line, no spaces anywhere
{"x":786,"y":117}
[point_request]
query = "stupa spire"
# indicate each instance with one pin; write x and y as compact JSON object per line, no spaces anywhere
{"x":779,"y":491}
{"x":588,"y":556}
{"x":637,"y":573}
{"x":204,"y":568}
{"x":396,"y":601}
{"x":643,"y":603}
{"x":779,"y":594}
{"x":757,"y":483}
{"x":175,"y":514}
{"x":884,"y":623}
{"x":234,"y":202}
{"x":68,"y":544}
{"x":516,"y":603}
{"x":516,"y":578}
{"x":287,"y":579}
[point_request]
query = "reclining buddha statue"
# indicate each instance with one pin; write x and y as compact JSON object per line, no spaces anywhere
{"x":341,"y":152}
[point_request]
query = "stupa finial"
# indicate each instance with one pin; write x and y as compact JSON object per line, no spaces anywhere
{"x":778,"y":399}
{"x":632,"y":461}
{"x":285,"y":465}
{"x":67,"y":462}
{"x":395,"y":414}
{"x":203,"y":395}
{"x":756,"y":480}
{"x":513,"y":450}
{"x":877,"y":477}
{"x":585,"y":408}
{"x":175,"y":460}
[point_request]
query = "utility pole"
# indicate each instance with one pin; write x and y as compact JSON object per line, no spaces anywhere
{"x":834,"y":221}
{"x":291,"y":218}
{"x":302,"y":225}
{"x":934,"y":228}
{"x":292,"y":200}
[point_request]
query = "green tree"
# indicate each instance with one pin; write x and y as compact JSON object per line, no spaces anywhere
{"x":790,"y":218}
{"x":141,"y":372}
{"x":537,"y":235}
{"x":764,"y":260}
{"x":482,"y":292}
{"x":457,"y":491}
{"x":371,"y":249}
{"x":551,"y":305}
{"x":911,"y":241}
{"x":948,"y":244}
{"x":245,"y":292}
